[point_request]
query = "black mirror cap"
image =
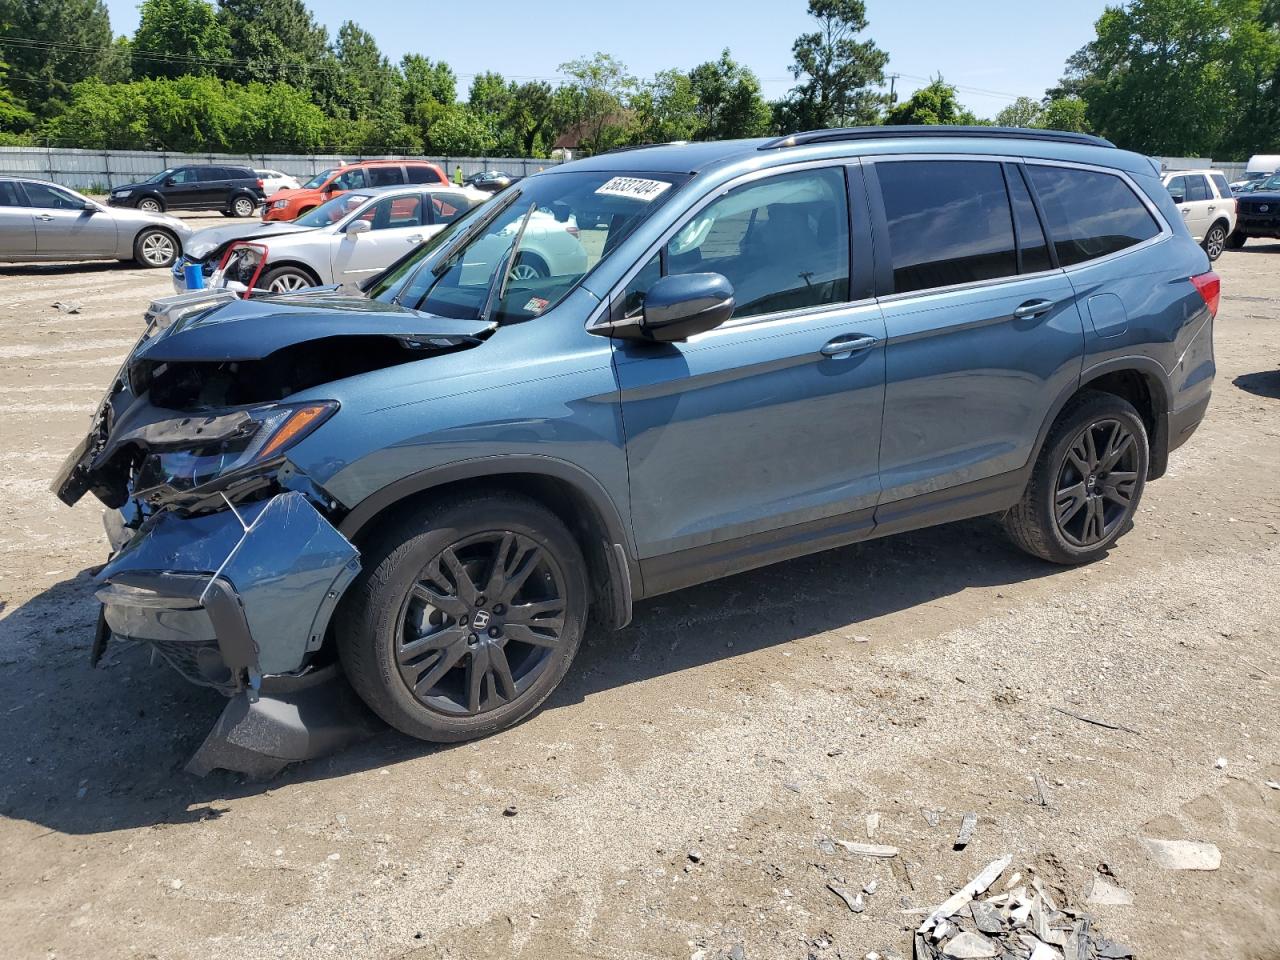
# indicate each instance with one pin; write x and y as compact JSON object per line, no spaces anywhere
{"x":679,"y":306}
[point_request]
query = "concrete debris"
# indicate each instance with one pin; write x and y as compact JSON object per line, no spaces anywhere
{"x":1273,"y":785}
{"x":68,"y":306}
{"x":509,"y":811}
{"x":1183,"y":854}
{"x":967,"y":825}
{"x":1103,"y":892}
{"x":1221,"y":763}
{"x":873,"y":824}
{"x":852,"y":901}
{"x":1023,"y":923}
{"x":695,"y":855}
{"x":737,"y":952}
{"x":932,"y":817}
{"x":868,"y":849}
{"x":826,"y":846}
{"x":870,"y":887}
{"x":1043,"y":797}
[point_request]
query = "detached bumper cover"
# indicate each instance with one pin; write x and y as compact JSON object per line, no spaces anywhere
{"x":231,"y":596}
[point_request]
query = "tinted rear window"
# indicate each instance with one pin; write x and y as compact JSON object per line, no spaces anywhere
{"x":1198,"y":188}
{"x":421,"y":173}
{"x":385,"y":176}
{"x":949,"y":222}
{"x":1090,"y":214}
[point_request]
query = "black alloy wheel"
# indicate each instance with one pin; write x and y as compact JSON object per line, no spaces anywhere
{"x":480,"y":623}
{"x":1095,"y":489}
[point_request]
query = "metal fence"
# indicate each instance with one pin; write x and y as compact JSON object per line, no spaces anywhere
{"x":100,"y":170}
{"x":1233,"y":170}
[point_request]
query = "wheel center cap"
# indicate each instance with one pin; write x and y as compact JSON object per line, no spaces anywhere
{"x":1092,"y":480}
{"x":481,"y":620}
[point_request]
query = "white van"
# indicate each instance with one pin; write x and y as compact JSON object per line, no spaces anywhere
{"x":1259,"y":166}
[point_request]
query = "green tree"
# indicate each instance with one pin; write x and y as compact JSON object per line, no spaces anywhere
{"x":1065,"y":113}
{"x":590,"y":104}
{"x":936,"y":103}
{"x":1023,"y":112}
{"x":531,"y":117}
{"x":457,"y":131}
{"x":727,"y":99}
{"x":54,"y":44}
{"x":14,"y":115}
{"x":839,"y":74}
{"x":1181,"y":77}
{"x":664,"y":108}
{"x":179,"y":37}
{"x":273,"y":40}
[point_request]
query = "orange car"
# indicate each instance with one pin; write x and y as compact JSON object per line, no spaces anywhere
{"x":290,"y":204}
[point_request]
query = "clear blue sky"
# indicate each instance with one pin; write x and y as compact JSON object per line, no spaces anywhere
{"x":993,"y":50}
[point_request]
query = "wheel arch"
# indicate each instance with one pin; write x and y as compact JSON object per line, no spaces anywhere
{"x":568,"y":491}
{"x":1139,"y":380}
{"x":300,"y":265}
{"x":155,"y":227}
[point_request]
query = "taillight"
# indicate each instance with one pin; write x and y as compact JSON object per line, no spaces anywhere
{"x":1209,"y":286}
{"x":571,"y":228}
{"x":261,"y":185}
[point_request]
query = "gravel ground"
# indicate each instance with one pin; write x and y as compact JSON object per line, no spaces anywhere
{"x":674,"y":799}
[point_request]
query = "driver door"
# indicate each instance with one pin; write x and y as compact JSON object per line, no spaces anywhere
{"x":396,"y":226}
{"x":758,"y":439}
{"x":64,"y":228}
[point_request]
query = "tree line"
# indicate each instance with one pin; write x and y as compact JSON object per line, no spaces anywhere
{"x":1173,"y":77}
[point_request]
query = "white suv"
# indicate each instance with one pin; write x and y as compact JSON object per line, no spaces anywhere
{"x":1207,"y":205}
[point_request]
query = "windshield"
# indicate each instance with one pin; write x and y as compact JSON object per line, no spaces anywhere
{"x":571,"y":221}
{"x":318,"y":180}
{"x":160,"y":176}
{"x":1271,"y":183}
{"x":331,"y":211}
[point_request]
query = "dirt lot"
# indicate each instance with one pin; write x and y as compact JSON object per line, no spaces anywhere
{"x":743,"y":721}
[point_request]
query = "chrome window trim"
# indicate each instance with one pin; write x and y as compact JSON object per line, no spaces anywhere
{"x":596,"y":326}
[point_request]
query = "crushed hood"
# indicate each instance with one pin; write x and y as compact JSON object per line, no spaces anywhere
{"x":205,"y":242}
{"x":253,"y":329}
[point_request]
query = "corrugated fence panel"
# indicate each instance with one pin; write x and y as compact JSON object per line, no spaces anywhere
{"x":99,"y":170}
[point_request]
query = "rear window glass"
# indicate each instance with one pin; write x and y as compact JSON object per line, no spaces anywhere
{"x":1198,"y":188}
{"x":1224,"y":188}
{"x":385,"y":176}
{"x":949,"y":222}
{"x":1090,"y":214}
{"x":421,"y":173}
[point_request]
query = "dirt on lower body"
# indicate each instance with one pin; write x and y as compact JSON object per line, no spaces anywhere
{"x":685,"y":792}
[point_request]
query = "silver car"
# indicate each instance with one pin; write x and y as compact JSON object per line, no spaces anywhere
{"x":346,"y":239}
{"x":358,"y":234}
{"x":44,"y":221}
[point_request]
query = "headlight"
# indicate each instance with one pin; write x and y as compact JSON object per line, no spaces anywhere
{"x":120,"y":193}
{"x":280,"y":204}
{"x":270,"y":430}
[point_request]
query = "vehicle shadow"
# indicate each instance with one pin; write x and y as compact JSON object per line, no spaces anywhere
{"x":1255,"y":247}
{"x":1264,"y":383}
{"x":64,"y":267}
{"x":89,"y":751}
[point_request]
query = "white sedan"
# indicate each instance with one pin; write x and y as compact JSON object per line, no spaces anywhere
{"x":273,"y":180}
{"x":344,"y":240}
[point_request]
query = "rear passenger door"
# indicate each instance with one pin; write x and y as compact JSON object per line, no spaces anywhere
{"x":396,"y":226}
{"x":983,"y":332}
{"x":761,"y":435}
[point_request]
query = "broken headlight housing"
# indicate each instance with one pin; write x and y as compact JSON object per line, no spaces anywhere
{"x":270,"y":430}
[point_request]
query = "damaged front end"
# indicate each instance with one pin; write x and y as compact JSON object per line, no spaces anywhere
{"x":226,"y":558}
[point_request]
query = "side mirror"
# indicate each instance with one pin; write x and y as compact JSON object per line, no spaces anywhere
{"x":357,"y":227}
{"x":90,"y":206}
{"x":1178,"y":197}
{"x":677,"y":307}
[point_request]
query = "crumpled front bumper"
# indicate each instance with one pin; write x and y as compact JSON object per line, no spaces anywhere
{"x":231,"y":596}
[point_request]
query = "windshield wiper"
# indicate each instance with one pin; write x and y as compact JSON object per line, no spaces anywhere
{"x":502,"y":275}
{"x":469,"y":234}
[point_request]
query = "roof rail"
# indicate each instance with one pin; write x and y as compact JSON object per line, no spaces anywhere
{"x":838,"y":134}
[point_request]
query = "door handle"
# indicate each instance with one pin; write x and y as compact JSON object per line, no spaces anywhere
{"x":847,"y":344}
{"x":1212,"y":208}
{"x":413,"y":239}
{"x":1033,"y":308}
{"x":45,"y":217}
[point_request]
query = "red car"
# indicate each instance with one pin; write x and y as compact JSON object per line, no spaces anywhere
{"x":288,"y":204}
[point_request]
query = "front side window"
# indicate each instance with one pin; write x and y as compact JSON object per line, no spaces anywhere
{"x":318,"y":181}
{"x":783,"y":243}
{"x":42,"y":195}
{"x":332,"y":210}
{"x":351,"y":180}
{"x":949,"y":222}
{"x":1090,"y":214}
{"x":516,"y":257}
{"x":183,"y":175}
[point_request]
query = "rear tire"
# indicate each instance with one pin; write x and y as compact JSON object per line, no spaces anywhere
{"x":243,"y":207}
{"x":1087,"y":482}
{"x":1215,"y":241}
{"x":150,"y":205}
{"x":1236,"y":240}
{"x":466,"y":617}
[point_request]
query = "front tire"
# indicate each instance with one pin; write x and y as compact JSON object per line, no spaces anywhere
{"x":466,"y":617}
{"x":156,"y":248}
{"x":1215,"y":241}
{"x":287,"y":280}
{"x":1236,"y":240}
{"x":1087,"y":482}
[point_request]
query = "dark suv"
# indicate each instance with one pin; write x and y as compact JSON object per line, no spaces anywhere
{"x":236,"y":191}
{"x":759,"y":349}
{"x":1257,"y":213}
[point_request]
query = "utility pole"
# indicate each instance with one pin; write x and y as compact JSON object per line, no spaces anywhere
{"x":893,"y":81}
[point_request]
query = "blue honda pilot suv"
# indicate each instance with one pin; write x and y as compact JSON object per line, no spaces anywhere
{"x":634,"y":373}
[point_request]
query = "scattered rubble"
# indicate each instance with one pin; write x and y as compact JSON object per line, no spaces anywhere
{"x":1183,"y":854}
{"x":868,"y":849}
{"x":967,"y":825}
{"x":68,"y":306}
{"x":1021,"y":923}
{"x":851,"y":900}
{"x":1103,"y":892}
{"x":1043,"y":797}
{"x":873,"y":824}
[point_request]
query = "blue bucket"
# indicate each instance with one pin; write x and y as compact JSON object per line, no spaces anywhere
{"x":193,"y":276}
